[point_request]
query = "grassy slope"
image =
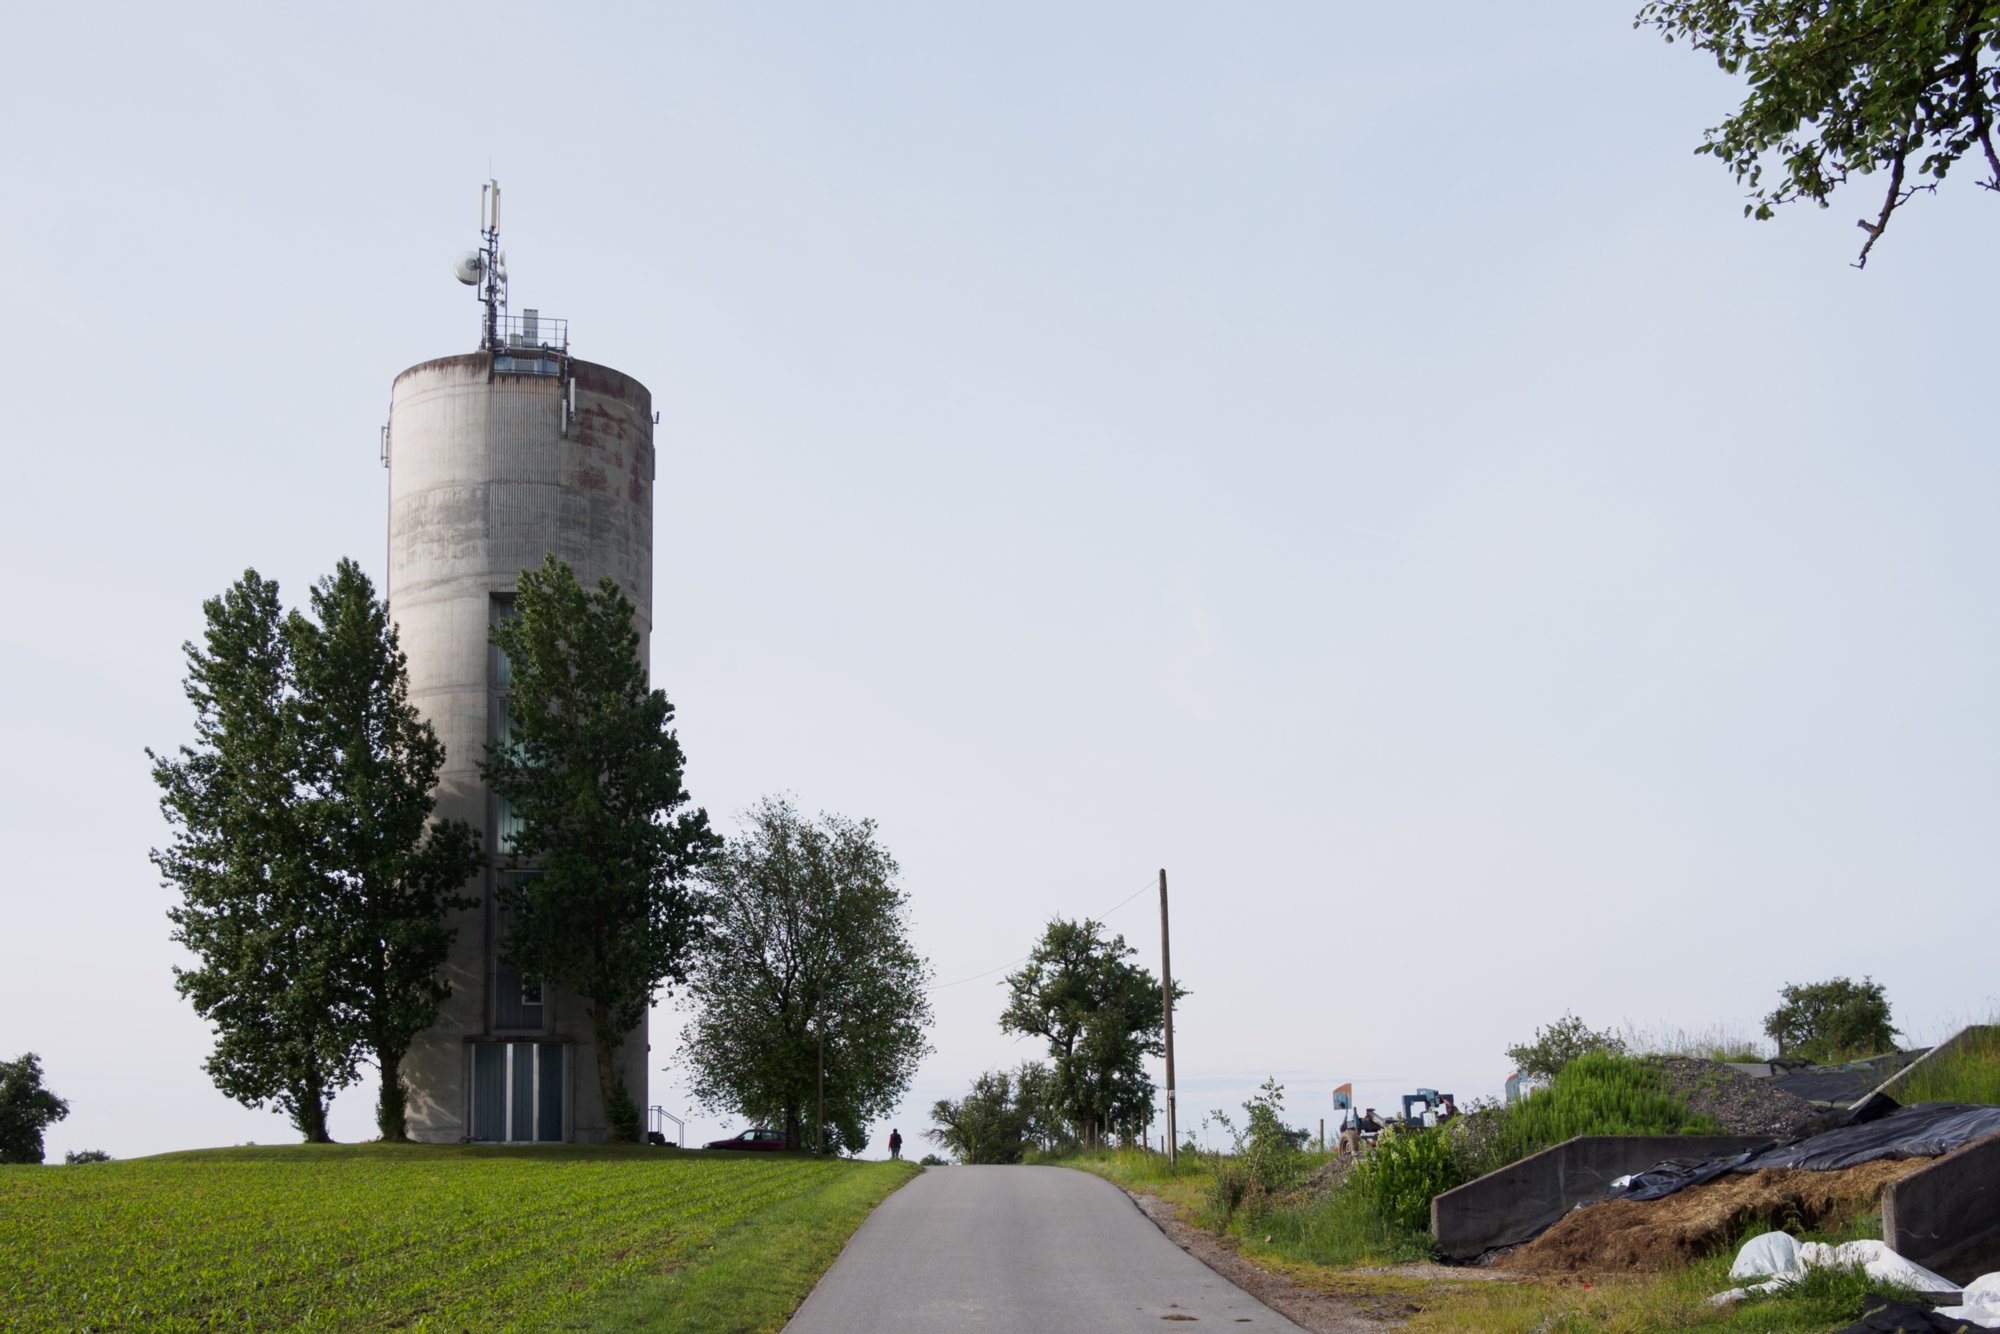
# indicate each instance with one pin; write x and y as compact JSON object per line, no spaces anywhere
{"x":1970,"y":1073}
{"x":357,"y":1237}
{"x":1323,"y":1235}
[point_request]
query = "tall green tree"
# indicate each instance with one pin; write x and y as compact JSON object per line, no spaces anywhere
{"x":26,"y":1109}
{"x":386,"y":874}
{"x":270,"y":966}
{"x":807,"y":967}
{"x":1100,"y":1017}
{"x":313,"y":887}
{"x":1839,"y":1019}
{"x":1844,"y":88}
{"x":594,"y":774}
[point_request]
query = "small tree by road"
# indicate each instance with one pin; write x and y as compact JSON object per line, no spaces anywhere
{"x":594,"y":773}
{"x":26,"y":1109}
{"x":1100,"y":1017}
{"x":807,"y":967}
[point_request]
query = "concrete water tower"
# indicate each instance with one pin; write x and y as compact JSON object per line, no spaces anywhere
{"x":497,"y":458}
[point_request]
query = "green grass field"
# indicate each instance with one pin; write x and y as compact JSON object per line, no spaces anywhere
{"x":426,"y":1237}
{"x":1969,"y":1072}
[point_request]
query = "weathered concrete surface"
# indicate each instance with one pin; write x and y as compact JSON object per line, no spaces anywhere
{"x":1511,"y":1205}
{"x":483,"y":483}
{"x":1946,"y":1217}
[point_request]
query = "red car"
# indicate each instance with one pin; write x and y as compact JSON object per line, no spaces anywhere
{"x":750,"y":1139}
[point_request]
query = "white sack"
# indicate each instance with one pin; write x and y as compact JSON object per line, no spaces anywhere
{"x":1778,"y":1258}
{"x":1982,"y":1303}
{"x":1763,"y":1256}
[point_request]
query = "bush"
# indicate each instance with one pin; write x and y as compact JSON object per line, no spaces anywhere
{"x":75,"y":1156}
{"x":1405,"y":1169}
{"x":932,"y":1160}
{"x":1341,"y":1228}
{"x":622,"y":1119}
{"x":1837,"y":1020}
{"x":1269,"y":1156}
{"x":1560,"y":1043}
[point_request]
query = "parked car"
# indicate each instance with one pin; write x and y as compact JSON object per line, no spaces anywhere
{"x":750,"y":1139}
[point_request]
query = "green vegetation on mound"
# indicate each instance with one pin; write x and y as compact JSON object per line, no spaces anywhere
{"x":359,"y":1237}
{"x":1596,"y":1094}
{"x":1969,"y":1072}
{"x":1314,"y":1208}
{"x":1310,"y":1225}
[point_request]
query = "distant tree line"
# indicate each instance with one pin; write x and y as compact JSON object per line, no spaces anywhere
{"x":1818,"y":1022}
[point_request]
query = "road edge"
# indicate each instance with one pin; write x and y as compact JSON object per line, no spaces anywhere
{"x":1309,"y":1308}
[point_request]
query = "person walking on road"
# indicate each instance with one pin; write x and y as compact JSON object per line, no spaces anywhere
{"x":895,"y":1144}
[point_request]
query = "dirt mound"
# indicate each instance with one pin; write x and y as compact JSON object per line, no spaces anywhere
{"x":1624,"y":1235}
{"x":1743,"y":1105}
{"x":1329,"y":1177}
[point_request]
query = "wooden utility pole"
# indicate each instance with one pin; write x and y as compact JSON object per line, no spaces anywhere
{"x":1167,"y":1003}
{"x":819,"y":1025}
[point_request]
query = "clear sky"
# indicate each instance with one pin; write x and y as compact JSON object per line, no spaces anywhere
{"x":1356,"y":457}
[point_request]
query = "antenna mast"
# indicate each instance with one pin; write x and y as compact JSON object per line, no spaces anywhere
{"x":492,"y":268}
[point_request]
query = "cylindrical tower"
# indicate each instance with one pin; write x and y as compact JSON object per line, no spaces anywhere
{"x":496,"y":459}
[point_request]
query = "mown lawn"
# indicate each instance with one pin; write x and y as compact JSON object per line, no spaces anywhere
{"x":426,"y":1237}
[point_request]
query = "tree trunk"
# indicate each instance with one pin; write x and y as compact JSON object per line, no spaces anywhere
{"x":310,"y":1115}
{"x":389,"y":1107}
{"x":611,"y":1089}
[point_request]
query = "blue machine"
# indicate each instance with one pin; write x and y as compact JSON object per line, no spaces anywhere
{"x":1416,"y":1104}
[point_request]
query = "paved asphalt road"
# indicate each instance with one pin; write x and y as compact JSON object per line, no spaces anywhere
{"x":1029,"y":1250}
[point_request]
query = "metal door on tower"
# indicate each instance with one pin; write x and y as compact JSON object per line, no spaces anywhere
{"x":517,"y":1092}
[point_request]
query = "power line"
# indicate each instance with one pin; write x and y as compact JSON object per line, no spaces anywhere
{"x":1025,"y":957}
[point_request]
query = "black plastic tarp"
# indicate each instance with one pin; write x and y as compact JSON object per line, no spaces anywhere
{"x":1886,"y":1315}
{"x":1664,"y":1179}
{"x":1926,"y":1130}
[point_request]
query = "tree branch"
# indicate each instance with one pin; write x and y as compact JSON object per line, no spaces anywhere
{"x":1894,"y":197}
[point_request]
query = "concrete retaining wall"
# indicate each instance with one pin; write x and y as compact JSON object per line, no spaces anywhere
{"x":1946,"y":1217}
{"x":1511,"y":1205}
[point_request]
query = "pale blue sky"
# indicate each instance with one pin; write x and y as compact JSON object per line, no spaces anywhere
{"x":1356,"y":457}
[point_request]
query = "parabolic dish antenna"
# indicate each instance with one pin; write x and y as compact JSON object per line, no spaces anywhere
{"x":468,"y":267}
